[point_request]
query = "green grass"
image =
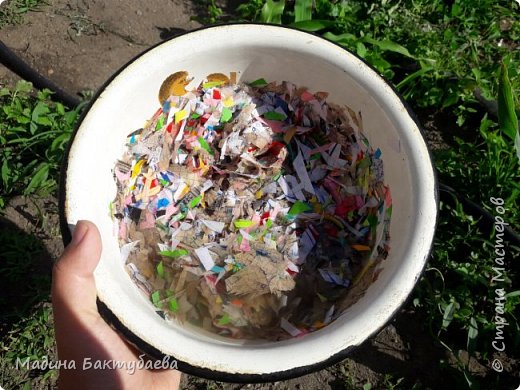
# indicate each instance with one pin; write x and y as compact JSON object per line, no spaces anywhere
{"x":34,"y":132}
{"x":12,"y":11}
{"x":31,"y":338}
{"x":437,"y":54}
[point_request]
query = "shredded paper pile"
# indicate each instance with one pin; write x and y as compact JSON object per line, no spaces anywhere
{"x":250,"y":210}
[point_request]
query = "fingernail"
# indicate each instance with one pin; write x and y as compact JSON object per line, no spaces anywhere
{"x":80,"y":231}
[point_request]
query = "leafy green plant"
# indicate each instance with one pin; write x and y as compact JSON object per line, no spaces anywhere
{"x":32,"y":339}
{"x":212,"y":13}
{"x":13,"y":10}
{"x":34,"y":132}
{"x":456,"y":291}
{"x":437,"y":53}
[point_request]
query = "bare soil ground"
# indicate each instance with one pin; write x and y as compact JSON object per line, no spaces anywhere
{"x":79,"y":44}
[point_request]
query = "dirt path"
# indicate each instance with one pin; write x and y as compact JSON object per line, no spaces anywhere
{"x":79,"y":44}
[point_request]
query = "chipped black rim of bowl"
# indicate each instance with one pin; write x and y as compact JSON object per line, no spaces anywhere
{"x":207,"y":373}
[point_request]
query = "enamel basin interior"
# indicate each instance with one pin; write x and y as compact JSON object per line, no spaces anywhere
{"x":273,"y":53}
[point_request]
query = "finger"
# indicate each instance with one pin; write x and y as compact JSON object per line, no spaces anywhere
{"x":73,"y":285}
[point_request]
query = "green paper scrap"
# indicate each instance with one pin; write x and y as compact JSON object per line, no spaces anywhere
{"x":268,"y":224}
{"x":204,"y":145}
{"x":274,"y":116}
{"x":160,"y":123}
{"x":226,"y":115}
{"x":372,"y":221}
{"x":389,"y":211}
{"x":364,"y":163}
{"x":224,"y":320}
{"x":161,"y":226}
{"x":277,"y":176}
{"x":258,"y":83}
{"x":173,"y":305}
{"x":299,"y":207}
{"x":243,"y":223}
{"x":195,"y":202}
{"x":194,"y":116}
{"x":156,"y":297}
{"x":175,"y":253}
{"x":179,"y":217}
{"x":160,"y":270}
{"x":237,"y":267}
{"x":164,"y":183}
{"x":212,"y":84}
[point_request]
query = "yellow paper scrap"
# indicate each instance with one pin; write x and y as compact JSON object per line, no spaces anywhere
{"x":228,"y":102}
{"x":137,"y":168}
{"x":180,"y":115}
{"x":181,"y":192}
{"x":203,"y":167}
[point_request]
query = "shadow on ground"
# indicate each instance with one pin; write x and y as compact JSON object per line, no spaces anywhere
{"x":25,"y":274}
{"x":26,"y":326}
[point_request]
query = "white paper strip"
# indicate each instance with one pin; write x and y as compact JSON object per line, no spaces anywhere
{"x":303,"y":175}
{"x":214,"y":225}
{"x":331,"y":277}
{"x":206,"y":186}
{"x":205,"y":257}
{"x":305,"y":245}
{"x":291,"y":188}
{"x":304,"y":149}
{"x":126,"y":250}
{"x":328,"y":315}
{"x":290,"y":328}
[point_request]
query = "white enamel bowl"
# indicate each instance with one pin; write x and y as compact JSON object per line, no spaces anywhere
{"x":273,"y":53}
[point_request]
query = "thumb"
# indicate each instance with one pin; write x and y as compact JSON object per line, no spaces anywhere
{"x":73,"y":286}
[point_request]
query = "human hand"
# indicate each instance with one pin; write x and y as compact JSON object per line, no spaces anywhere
{"x":81,"y":333}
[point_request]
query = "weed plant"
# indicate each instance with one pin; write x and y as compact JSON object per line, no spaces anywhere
{"x":12,"y":11}
{"x":34,"y":132}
